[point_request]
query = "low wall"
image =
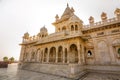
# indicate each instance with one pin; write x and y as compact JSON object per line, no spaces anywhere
{"x":69,"y":70}
{"x":64,"y":70}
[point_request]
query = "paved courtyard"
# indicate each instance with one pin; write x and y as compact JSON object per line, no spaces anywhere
{"x":12,"y":73}
{"x":101,"y":76}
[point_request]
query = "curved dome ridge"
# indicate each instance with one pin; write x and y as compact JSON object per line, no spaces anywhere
{"x":43,"y":29}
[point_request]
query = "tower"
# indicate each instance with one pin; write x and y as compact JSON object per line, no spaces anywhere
{"x":68,"y":21}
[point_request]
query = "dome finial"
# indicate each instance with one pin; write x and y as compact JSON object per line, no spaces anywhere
{"x":67,"y":5}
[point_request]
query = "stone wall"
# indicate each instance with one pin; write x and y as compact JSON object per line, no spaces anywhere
{"x":64,"y":70}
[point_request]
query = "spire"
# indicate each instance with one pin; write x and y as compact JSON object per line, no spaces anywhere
{"x":67,"y":5}
{"x":67,"y":11}
{"x":57,"y":17}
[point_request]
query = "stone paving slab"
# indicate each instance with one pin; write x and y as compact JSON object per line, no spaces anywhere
{"x":12,"y":73}
{"x":101,"y":76}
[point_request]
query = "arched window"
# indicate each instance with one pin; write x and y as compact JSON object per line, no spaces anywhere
{"x":76,"y":27}
{"x":72,"y":28}
{"x":58,"y":29}
{"x":64,"y":28}
{"x":89,"y":53}
{"x":42,"y":35}
{"x":119,"y":51}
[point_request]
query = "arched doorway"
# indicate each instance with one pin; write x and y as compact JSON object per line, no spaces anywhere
{"x":60,"y":54}
{"x":65,"y":55}
{"x":73,"y":54}
{"x":64,"y":28}
{"x":72,"y":28}
{"x":33,"y":56}
{"x":52,"y":54}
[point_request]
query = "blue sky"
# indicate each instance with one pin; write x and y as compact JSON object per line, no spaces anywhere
{"x":20,"y":16}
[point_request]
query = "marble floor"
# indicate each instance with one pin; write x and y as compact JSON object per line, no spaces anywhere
{"x":12,"y":73}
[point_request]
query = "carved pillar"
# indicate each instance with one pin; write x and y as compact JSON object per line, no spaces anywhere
{"x":68,"y":54}
{"x":56,"y":55}
{"x":40,"y":55}
{"x":43,"y":55}
{"x":63,"y":55}
{"x":83,"y":54}
{"x":79,"y":54}
{"x":48,"y":55}
{"x":29,"y":58}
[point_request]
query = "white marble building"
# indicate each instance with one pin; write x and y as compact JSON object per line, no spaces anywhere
{"x":74,"y":49}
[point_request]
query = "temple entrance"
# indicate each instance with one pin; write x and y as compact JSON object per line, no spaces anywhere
{"x":73,"y":54}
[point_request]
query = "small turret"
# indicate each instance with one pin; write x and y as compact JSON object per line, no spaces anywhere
{"x":43,"y":32}
{"x":26,"y":35}
{"x":57,"y":17}
{"x":91,"y":20}
{"x":117,"y":13}
{"x":104,"y":16}
{"x":43,"y":29}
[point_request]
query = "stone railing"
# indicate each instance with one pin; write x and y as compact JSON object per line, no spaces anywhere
{"x":31,"y":39}
{"x":53,"y":37}
{"x":59,"y":36}
{"x":102,"y":23}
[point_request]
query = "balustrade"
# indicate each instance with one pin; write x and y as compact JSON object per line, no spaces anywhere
{"x":102,"y":23}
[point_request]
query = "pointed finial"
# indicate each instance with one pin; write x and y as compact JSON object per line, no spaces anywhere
{"x":67,"y":5}
{"x":56,"y":16}
{"x":44,"y":26}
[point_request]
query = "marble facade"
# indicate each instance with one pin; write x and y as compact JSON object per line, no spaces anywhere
{"x":74,"y":47}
